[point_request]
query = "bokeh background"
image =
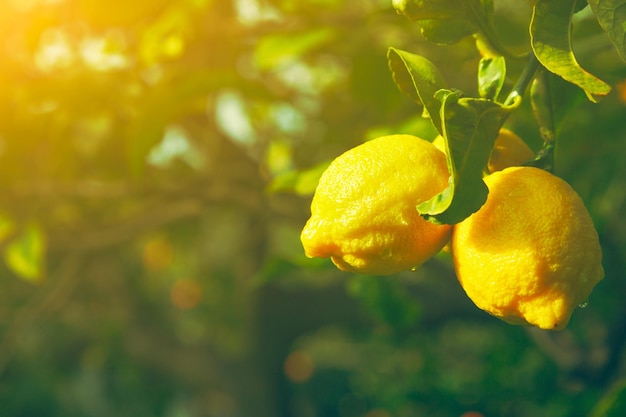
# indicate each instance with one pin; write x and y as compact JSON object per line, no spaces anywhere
{"x":157,"y":161}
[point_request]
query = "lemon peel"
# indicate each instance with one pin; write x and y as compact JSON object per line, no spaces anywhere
{"x":509,"y":150}
{"x":531,"y":254}
{"x":363,"y":213}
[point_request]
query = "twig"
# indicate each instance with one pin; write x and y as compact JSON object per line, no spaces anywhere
{"x":532,"y":65}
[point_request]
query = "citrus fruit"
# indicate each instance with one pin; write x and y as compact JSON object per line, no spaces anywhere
{"x":509,"y":150}
{"x":363,"y":213}
{"x":531,"y":254}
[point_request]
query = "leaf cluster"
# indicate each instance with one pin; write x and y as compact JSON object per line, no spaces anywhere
{"x":470,"y":125}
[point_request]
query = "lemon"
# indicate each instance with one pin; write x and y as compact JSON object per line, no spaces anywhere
{"x":531,"y":254}
{"x":509,"y":150}
{"x":363,"y":213}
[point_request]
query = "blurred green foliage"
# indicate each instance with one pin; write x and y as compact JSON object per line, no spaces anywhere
{"x":157,"y":160}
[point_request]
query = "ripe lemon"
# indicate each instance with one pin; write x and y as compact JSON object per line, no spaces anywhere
{"x":531,"y":254}
{"x":363,"y":213}
{"x":509,"y":150}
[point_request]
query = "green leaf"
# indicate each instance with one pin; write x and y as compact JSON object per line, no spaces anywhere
{"x":613,"y":404}
{"x":25,"y":254}
{"x":418,"y":78}
{"x":448,"y":21}
{"x":550,"y":31}
{"x":471,"y":126}
{"x":552,"y":100}
{"x":274,"y":49}
{"x":386,"y":299}
{"x":491,"y":77}
{"x":7,"y":227}
{"x":300,"y":182}
{"x":446,"y":31}
{"x":611,"y":15}
{"x":416,"y":10}
{"x":161,"y":106}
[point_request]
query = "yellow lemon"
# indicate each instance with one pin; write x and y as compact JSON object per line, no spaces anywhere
{"x":531,"y":254}
{"x":509,"y":150}
{"x":363,"y":213}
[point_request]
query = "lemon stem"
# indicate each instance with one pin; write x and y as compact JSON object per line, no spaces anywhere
{"x":541,"y":101}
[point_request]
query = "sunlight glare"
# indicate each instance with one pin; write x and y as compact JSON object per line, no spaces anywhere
{"x":104,"y":53}
{"x":299,"y":366}
{"x":175,"y":144}
{"x":288,"y":118}
{"x":233,"y":119}
{"x":55,"y":51}
{"x":158,"y":254}
{"x":186,"y":293}
{"x":250,"y":12}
